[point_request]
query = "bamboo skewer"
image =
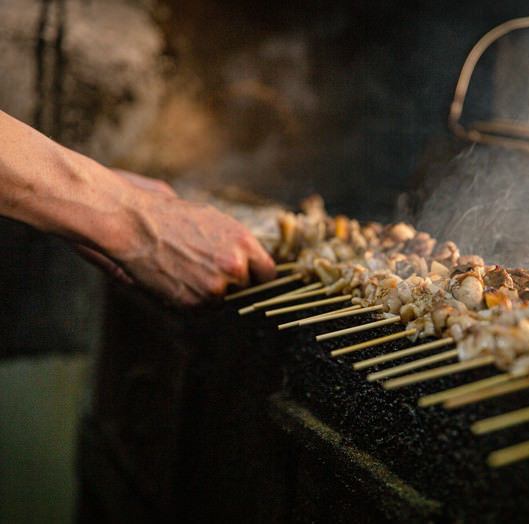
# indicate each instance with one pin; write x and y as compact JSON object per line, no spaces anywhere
{"x":297,"y":291}
{"x":263,"y":287}
{"x":311,"y":290}
{"x":441,"y":396}
{"x":427,"y":346}
{"x":357,"y":329}
{"x":484,"y":394}
{"x":373,"y":342}
{"x":296,"y":323}
{"x":398,"y":370}
{"x":339,"y":314}
{"x":506,"y":420}
{"x":505,"y":456}
{"x":330,"y":313}
{"x":307,"y":305}
{"x":266,"y":237}
{"x":287,"y":266}
{"x":442,"y":371}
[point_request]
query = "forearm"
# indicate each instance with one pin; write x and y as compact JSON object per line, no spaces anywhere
{"x":182,"y":251}
{"x":59,"y":191}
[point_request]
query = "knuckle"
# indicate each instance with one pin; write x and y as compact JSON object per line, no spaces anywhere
{"x":245,"y":238}
{"x":164,"y":186}
{"x":236,"y":267}
{"x":189,"y":301}
{"x":216,"y":286}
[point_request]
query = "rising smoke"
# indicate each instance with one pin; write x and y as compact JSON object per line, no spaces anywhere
{"x":481,"y":200}
{"x":482,"y":204}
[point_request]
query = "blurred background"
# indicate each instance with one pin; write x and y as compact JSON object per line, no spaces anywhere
{"x":273,"y":99}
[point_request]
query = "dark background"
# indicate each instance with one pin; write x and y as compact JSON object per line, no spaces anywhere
{"x":358,"y":93}
{"x":347,"y":99}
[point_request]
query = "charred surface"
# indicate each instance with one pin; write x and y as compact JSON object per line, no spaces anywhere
{"x":190,"y":404}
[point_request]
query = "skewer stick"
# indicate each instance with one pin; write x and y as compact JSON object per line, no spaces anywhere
{"x":357,"y":329}
{"x":505,"y":456}
{"x":287,"y":266}
{"x":506,"y":420}
{"x":441,"y":396}
{"x":420,"y":363}
{"x":297,"y":291}
{"x":307,"y":305}
{"x":297,"y":295}
{"x":311,"y":290}
{"x":339,"y":314}
{"x":293,"y":296}
{"x":442,"y":371}
{"x":484,"y":394}
{"x":427,"y":346}
{"x":296,"y":323}
{"x":263,"y":287}
{"x":331,"y":313}
{"x":266,"y":237}
{"x":373,"y":342}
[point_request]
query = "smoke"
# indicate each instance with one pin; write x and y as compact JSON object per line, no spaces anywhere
{"x":481,"y":203}
{"x":241,"y":125}
{"x":481,"y":198}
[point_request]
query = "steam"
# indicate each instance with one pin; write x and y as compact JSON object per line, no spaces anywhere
{"x":482,"y":204}
{"x":481,"y":201}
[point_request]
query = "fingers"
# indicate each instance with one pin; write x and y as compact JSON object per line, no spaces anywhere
{"x":261,"y":264}
{"x":189,"y":298}
{"x":246,"y":258}
{"x":234,"y":265}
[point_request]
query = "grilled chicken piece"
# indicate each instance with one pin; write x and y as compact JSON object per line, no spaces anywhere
{"x":524,"y":294}
{"x":506,"y":338}
{"x":326,"y":271}
{"x":496,"y":277}
{"x":342,"y":228}
{"x":434,"y":290}
{"x":357,"y":240}
{"x":424,"y":326}
{"x":446,"y":253}
{"x":497,"y":298}
{"x":314,"y":207}
{"x":422,"y":244}
{"x":400,"y":233}
{"x":471,"y":261}
{"x":381,"y":289}
{"x":520,"y":278}
{"x":468,"y":288}
{"x":411,"y":265}
{"x":342,"y":250}
{"x":371,"y":232}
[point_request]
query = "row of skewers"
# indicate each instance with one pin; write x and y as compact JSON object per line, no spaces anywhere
{"x":442,"y":300}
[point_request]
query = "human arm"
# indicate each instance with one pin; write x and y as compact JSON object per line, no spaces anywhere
{"x":182,"y":251}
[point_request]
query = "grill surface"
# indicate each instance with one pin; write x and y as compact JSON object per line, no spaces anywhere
{"x":189,"y":418}
{"x":433,"y":449}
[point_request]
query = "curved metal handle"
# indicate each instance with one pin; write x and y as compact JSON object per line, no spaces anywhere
{"x":482,"y":131}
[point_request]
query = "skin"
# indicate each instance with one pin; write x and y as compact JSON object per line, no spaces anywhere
{"x":135,"y":228}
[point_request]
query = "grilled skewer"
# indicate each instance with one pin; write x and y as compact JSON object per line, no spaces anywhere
{"x":431,"y":290}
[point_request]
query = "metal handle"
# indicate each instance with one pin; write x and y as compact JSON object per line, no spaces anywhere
{"x":487,"y":132}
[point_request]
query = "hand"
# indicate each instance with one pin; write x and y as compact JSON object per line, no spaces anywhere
{"x":101,"y":260}
{"x":135,"y":228}
{"x":185,"y":252}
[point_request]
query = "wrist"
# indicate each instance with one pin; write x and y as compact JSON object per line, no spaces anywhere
{"x":59,"y":191}
{"x":126,"y":232}
{"x":94,"y":206}
{"x":115,"y":219}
